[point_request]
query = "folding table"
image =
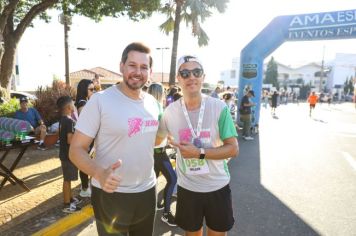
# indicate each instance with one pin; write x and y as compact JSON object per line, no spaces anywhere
{"x":6,"y":172}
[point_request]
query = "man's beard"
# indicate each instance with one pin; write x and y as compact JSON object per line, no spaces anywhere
{"x":133,"y":87}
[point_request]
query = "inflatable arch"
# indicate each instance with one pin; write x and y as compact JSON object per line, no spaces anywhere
{"x":305,"y":27}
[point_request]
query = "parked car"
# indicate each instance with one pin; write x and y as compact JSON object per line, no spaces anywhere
{"x":18,"y":94}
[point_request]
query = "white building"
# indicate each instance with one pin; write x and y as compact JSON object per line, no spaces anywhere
{"x":343,"y":68}
{"x":231,"y":77}
{"x":338,"y":70}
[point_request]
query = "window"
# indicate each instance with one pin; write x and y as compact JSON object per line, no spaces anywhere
{"x":233,"y":74}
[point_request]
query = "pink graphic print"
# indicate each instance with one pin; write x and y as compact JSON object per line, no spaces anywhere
{"x":185,"y":135}
{"x":135,"y":125}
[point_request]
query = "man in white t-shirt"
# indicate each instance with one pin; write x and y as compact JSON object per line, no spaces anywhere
{"x":123,"y":120}
{"x":204,"y":133}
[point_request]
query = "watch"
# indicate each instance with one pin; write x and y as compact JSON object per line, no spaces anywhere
{"x":202,"y":153}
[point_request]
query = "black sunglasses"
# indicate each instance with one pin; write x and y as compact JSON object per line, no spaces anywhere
{"x":197,"y":72}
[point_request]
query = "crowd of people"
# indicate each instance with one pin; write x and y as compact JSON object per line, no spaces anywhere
{"x":117,"y":139}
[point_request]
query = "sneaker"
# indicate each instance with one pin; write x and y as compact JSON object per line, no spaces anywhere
{"x":85,"y":193}
{"x":57,"y":143}
{"x":75,"y":200}
{"x":248,"y":138}
{"x":41,"y":147}
{"x":174,"y":194}
{"x":169,"y":219}
{"x":160,"y":206}
{"x":71,"y":208}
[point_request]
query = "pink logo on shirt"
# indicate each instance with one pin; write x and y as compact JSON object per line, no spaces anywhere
{"x":186,"y":135}
{"x":134,"y":126}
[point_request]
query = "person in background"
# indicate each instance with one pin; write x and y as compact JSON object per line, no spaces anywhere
{"x":274,"y":102}
{"x":162,"y":164}
{"x":97,"y":82}
{"x":70,"y":171}
{"x":245,"y":114}
{"x":216,"y":92}
{"x":85,"y":90}
{"x":169,"y":97}
{"x":31,"y":115}
{"x":312,"y":99}
{"x":123,"y":120}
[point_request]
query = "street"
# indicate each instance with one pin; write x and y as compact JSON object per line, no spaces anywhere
{"x":298,"y":177}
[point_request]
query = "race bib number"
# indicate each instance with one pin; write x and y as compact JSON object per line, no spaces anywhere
{"x":195,"y":166}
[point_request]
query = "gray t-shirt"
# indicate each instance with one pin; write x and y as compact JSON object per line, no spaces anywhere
{"x":217,"y":126}
{"x":124,"y":129}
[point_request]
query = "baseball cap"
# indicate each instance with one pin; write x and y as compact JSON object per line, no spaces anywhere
{"x":252,"y":92}
{"x":23,"y":99}
{"x":188,"y":58}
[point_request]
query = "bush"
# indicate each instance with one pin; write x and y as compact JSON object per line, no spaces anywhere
{"x":47,"y":99}
{"x":9,"y":108}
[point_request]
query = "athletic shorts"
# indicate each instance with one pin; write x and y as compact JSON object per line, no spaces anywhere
{"x":215,"y":207}
{"x":122,"y":213}
{"x":312,"y":105}
{"x":70,"y":171}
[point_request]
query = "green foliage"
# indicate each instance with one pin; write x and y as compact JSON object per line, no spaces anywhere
{"x":9,"y":108}
{"x":272,"y":73}
{"x":17,"y":15}
{"x":46,"y":104}
{"x":194,"y":12}
{"x":348,"y":86}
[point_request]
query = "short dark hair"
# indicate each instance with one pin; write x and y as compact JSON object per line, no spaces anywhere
{"x":63,"y":101}
{"x":139,"y":47}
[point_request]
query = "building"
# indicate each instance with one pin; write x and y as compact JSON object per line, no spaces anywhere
{"x":107,"y":77}
{"x":231,"y":77}
{"x":334,"y":73}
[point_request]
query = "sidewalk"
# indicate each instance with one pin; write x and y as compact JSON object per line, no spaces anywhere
{"x":24,"y":213}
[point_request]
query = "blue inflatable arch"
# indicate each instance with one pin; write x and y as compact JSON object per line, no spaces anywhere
{"x":306,"y":27}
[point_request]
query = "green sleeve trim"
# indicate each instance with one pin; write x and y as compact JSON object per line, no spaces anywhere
{"x":226,"y":125}
{"x":226,"y":168}
{"x":160,"y":110}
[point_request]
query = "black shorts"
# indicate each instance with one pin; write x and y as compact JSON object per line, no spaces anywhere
{"x":122,"y":213}
{"x":215,"y":207}
{"x":70,"y":171}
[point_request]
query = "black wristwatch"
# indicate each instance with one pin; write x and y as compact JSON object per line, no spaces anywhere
{"x":202,"y":153}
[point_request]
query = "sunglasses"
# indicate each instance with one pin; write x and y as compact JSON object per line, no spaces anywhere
{"x":197,"y":72}
{"x":91,"y":89}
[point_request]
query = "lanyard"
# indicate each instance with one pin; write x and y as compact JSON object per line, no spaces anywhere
{"x":200,"y":119}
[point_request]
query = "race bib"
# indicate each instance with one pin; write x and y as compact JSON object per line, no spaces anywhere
{"x":195,"y":166}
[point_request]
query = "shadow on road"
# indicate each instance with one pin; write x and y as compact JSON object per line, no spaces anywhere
{"x":258,"y":211}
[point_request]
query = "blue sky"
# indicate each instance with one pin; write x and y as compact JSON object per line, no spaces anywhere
{"x":41,"y":50}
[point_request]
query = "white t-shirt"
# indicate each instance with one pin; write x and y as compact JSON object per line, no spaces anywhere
{"x":124,"y":129}
{"x":217,"y":125}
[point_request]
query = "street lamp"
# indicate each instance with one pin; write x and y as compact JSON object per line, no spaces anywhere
{"x":162,"y":58}
{"x":66,"y":20}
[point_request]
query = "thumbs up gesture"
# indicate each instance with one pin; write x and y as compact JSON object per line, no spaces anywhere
{"x":109,"y":181}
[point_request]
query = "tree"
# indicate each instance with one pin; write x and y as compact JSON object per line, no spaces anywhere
{"x":17,"y":15}
{"x":351,"y":85}
{"x":272,"y":73}
{"x":194,"y":13}
{"x":346,"y":86}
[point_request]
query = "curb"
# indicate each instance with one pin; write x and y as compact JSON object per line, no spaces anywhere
{"x":67,"y":223}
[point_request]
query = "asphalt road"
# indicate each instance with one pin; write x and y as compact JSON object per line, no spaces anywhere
{"x":298,"y":177}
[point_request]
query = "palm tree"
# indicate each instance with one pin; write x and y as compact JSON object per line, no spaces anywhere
{"x":193,"y":12}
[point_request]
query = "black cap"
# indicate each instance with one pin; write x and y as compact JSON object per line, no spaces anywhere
{"x":23,"y":99}
{"x":252,"y":93}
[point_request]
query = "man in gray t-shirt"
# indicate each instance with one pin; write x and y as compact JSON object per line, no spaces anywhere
{"x":123,"y":120}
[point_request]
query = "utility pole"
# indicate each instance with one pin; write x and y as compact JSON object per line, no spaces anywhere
{"x":66,"y":20}
{"x":322,"y":72}
{"x":164,"y":48}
